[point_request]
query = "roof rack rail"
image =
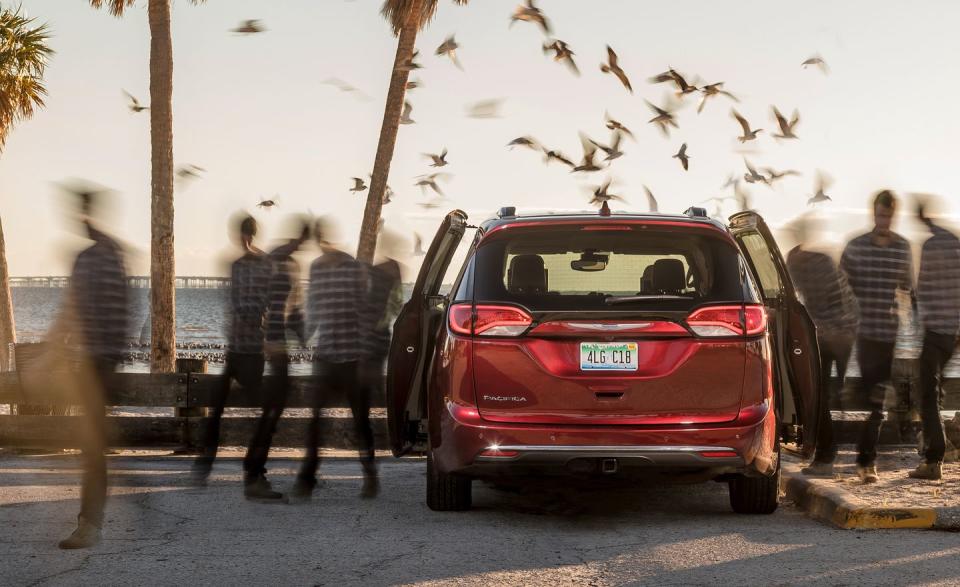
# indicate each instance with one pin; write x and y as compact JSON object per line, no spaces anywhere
{"x":696,"y":212}
{"x":507,"y":211}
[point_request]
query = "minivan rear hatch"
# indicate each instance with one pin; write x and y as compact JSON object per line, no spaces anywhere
{"x":633,"y":323}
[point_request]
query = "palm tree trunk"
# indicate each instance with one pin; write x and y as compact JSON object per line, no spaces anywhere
{"x":8,"y":334}
{"x":388,"y":135}
{"x":162,"y":292}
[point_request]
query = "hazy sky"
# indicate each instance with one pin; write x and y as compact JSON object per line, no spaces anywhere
{"x":254,"y":113}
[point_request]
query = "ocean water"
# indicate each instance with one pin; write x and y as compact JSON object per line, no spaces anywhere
{"x":200,"y":326}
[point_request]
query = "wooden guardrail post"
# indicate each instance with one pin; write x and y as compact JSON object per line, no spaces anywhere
{"x":185,"y":411}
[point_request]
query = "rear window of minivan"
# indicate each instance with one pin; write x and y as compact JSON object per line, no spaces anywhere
{"x":638,"y":267}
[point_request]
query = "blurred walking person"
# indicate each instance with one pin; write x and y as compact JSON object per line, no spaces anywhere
{"x":336,"y":300}
{"x":246,"y":312}
{"x":828,"y":297}
{"x":938,"y":297}
{"x":97,"y":308}
{"x":284,"y":314}
{"x":877,"y":264}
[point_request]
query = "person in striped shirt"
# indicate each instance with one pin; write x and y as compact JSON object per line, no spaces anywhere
{"x":876,"y":264}
{"x":938,"y":297}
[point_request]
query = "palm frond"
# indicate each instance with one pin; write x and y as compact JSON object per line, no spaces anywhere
{"x":397,"y":11}
{"x":115,"y":7}
{"x":23,"y":58}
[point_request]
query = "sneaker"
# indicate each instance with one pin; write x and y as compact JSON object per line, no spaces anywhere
{"x":868,"y":473}
{"x":301,"y":492}
{"x":371,"y":486}
{"x":931,"y":471}
{"x":259,"y":489}
{"x":818,"y":469}
{"x":86,"y":535}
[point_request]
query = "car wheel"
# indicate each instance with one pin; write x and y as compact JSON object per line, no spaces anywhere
{"x":755,"y":495}
{"x":447,"y":492}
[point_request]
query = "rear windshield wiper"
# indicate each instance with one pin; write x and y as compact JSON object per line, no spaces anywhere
{"x":641,"y":298}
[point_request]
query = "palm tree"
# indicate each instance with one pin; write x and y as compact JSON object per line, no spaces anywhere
{"x":23,"y":59}
{"x":163,"y":317}
{"x":408,"y":18}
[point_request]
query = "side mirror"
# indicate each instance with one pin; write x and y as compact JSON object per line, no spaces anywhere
{"x":437,"y":302}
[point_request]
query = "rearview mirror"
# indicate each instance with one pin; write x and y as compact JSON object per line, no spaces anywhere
{"x":590,"y":261}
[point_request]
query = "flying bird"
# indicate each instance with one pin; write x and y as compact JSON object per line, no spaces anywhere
{"x":268,"y":203}
{"x":387,"y":195}
{"x":551,"y":155}
{"x":602,"y":196}
{"x":430,"y":204}
{"x":438,"y":160}
{"x":562,"y":52}
{"x":587,"y":164}
{"x":732,"y":180}
{"x":818,"y":61}
{"x":711,"y":90}
{"x":529,"y":142}
{"x":616,"y":125}
{"x":429,"y":181}
{"x":613,"y":66}
{"x":414,"y":84}
{"x":344,"y":87}
{"x":358,"y":185}
{"x":748,"y":135}
{"x":786,"y":127}
{"x":613,"y":149}
{"x":485,"y":109}
{"x":410,"y":64}
{"x":651,"y":200}
{"x":774,"y":175}
{"x":671,"y":76}
{"x":134,"y":105}
{"x":752,"y":176}
{"x":449,"y":48}
{"x":664,"y":118}
{"x":418,"y":245}
{"x":683,"y":157}
{"x":823,"y":183}
{"x":529,"y":12}
{"x":190,"y":171}
{"x":405,"y":115}
{"x":249,"y":27}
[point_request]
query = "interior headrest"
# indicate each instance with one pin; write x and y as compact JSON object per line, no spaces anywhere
{"x":646,"y":280}
{"x":668,"y":276}
{"x":527,"y":274}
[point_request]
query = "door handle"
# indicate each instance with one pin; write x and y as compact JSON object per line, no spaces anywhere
{"x":410,"y":349}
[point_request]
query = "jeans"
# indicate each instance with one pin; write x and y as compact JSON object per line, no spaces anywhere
{"x":937,"y":350}
{"x":834,"y":349}
{"x":247,"y":370}
{"x":330,"y":379}
{"x":274,"y":401}
{"x":93,"y":489}
{"x":876,"y":361}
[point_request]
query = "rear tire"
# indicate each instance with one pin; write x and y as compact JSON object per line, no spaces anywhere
{"x":755,"y":495}
{"x":447,"y":492}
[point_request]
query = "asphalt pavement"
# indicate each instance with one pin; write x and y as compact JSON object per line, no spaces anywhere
{"x":160,"y":531}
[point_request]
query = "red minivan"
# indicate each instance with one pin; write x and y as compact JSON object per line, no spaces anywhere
{"x":608,"y":345}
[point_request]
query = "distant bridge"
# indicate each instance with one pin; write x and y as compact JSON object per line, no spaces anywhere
{"x":138,"y":281}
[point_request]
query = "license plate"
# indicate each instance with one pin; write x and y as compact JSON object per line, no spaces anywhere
{"x":608,"y":356}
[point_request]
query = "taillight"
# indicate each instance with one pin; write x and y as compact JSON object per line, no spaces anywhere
{"x":722,"y":321}
{"x":489,"y":320}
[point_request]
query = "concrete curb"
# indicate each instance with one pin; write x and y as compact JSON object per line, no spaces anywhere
{"x":840,"y":508}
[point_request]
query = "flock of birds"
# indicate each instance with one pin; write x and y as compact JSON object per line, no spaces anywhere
{"x":596,"y":155}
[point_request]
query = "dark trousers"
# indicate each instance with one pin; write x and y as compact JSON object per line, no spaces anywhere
{"x":274,"y":401}
{"x":834,"y":349}
{"x":937,"y":350}
{"x":876,"y":362}
{"x":332,"y":380}
{"x":247,"y":370}
{"x":93,"y":489}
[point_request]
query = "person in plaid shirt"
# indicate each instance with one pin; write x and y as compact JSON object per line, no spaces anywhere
{"x":335,"y":305}
{"x":98,"y":300}
{"x":938,"y":297}
{"x":877,"y":264}
{"x":830,"y":301}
